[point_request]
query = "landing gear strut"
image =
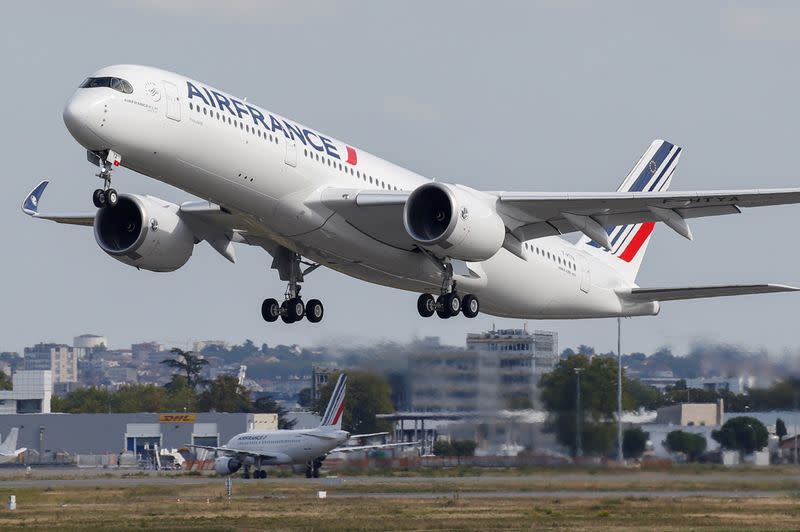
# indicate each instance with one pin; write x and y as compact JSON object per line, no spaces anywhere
{"x":105,"y":196}
{"x":290,"y":268}
{"x":313,"y":467}
{"x":448,"y":304}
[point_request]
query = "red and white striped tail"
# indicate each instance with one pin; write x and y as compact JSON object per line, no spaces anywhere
{"x":333,"y":414}
{"x":653,"y":173}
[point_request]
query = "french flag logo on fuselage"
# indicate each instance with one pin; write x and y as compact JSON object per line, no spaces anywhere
{"x":653,"y":173}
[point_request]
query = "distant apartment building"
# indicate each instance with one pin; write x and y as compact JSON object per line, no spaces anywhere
{"x":199,"y":346}
{"x":499,"y":369}
{"x":142,"y":351}
{"x":61,"y":360}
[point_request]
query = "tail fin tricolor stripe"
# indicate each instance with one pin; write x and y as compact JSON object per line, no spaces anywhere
{"x":333,"y":412}
{"x":628,"y":243}
{"x":653,"y":173}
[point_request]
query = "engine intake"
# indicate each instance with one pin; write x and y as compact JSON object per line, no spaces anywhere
{"x":227,"y":465}
{"x":454,"y":221}
{"x":144,"y":232}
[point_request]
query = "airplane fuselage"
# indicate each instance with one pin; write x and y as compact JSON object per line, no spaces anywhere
{"x":251,"y":161}
{"x":289,"y":446}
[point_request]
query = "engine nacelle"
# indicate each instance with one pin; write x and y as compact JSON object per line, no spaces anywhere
{"x":454,"y":221}
{"x":227,"y":465}
{"x":144,"y":232}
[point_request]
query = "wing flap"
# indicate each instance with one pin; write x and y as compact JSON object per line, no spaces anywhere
{"x":699,"y":292}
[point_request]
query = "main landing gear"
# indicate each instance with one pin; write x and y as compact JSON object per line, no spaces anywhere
{"x":313,"y":467}
{"x":289,"y":265}
{"x":449,"y":303}
{"x":105,"y":196}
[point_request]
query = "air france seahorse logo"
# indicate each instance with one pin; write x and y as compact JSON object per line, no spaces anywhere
{"x":34,"y":201}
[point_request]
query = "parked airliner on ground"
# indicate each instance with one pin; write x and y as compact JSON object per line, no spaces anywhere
{"x":310,"y":200}
{"x":308,"y":447}
{"x":8,"y":449}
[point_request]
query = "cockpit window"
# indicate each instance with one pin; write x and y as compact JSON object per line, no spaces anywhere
{"x":117,"y":84}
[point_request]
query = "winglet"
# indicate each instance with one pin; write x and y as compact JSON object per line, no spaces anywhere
{"x":30,"y":205}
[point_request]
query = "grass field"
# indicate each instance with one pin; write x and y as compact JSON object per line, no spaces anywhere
{"x":381,"y":504}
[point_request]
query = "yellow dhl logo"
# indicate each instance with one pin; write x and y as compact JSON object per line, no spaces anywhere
{"x":177,"y":418}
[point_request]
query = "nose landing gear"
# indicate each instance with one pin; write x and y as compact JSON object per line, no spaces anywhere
{"x":105,"y":196}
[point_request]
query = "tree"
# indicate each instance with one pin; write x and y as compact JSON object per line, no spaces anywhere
{"x":691,"y":444}
{"x":367,"y":394}
{"x":5,"y":381}
{"x":442,"y":448}
{"x":744,"y":434}
{"x":464,"y":447}
{"x":634,"y":442}
{"x":84,"y":401}
{"x":780,"y":430}
{"x":139,"y":398}
{"x":187,"y":363}
{"x":180,"y":396}
{"x":267,"y":404}
{"x":598,"y":402}
{"x":225,"y":394}
{"x":304,"y":398}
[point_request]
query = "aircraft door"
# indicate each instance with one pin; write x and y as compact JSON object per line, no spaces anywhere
{"x":173,"y":101}
{"x":291,"y":152}
{"x":586,"y":275}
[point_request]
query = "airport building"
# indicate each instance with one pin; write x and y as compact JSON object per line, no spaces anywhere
{"x":30,"y":394}
{"x":49,"y":436}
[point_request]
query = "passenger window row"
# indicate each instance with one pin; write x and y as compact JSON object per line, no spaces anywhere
{"x":348,"y":170}
{"x":551,"y":256}
{"x":221,"y":117}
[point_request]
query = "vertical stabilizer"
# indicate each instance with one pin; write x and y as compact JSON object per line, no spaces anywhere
{"x":10,"y":444}
{"x":652,"y":173}
{"x":333,"y":414}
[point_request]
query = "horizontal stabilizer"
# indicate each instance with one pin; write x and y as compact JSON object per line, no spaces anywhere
{"x":698,"y":292}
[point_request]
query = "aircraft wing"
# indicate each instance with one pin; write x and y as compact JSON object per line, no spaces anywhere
{"x":213,"y":223}
{"x":30,"y":206}
{"x":529,"y":215}
{"x":228,"y":450}
{"x":533,"y":215}
{"x":368,"y":447}
{"x":370,"y":435}
{"x":698,"y":292}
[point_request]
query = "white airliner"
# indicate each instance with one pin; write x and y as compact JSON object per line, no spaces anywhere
{"x":306,"y":447}
{"x":8,"y":449}
{"x":310,"y":200}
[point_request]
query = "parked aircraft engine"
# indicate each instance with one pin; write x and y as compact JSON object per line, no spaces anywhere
{"x":227,"y":465}
{"x":144,"y":232}
{"x":454,"y":221}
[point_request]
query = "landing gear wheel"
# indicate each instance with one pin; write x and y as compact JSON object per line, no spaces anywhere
{"x":99,"y":198}
{"x":426,"y":305}
{"x":314,"y":310}
{"x":112,"y":197}
{"x":441,"y":307}
{"x":261,"y":474}
{"x":470,"y":306}
{"x":294,"y":309}
{"x":270,"y":310}
{"x":315,"y":473}
{"x":309,"y":472}
{"x":452,"y":303}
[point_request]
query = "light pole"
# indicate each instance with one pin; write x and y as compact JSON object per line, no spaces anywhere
{"x":619,"y":390}
{"x":578,"y":451}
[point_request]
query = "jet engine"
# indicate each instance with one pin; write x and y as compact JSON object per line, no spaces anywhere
{"x":227,"y":465}
{"x":454,"y":221}
{"x":144,"y":232}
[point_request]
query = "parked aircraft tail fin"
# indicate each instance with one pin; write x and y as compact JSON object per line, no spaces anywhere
{"x":10,"y":444}
{"x":333,"y":414}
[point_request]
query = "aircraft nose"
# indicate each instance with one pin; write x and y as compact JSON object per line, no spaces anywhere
{"x":85,"y":117}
